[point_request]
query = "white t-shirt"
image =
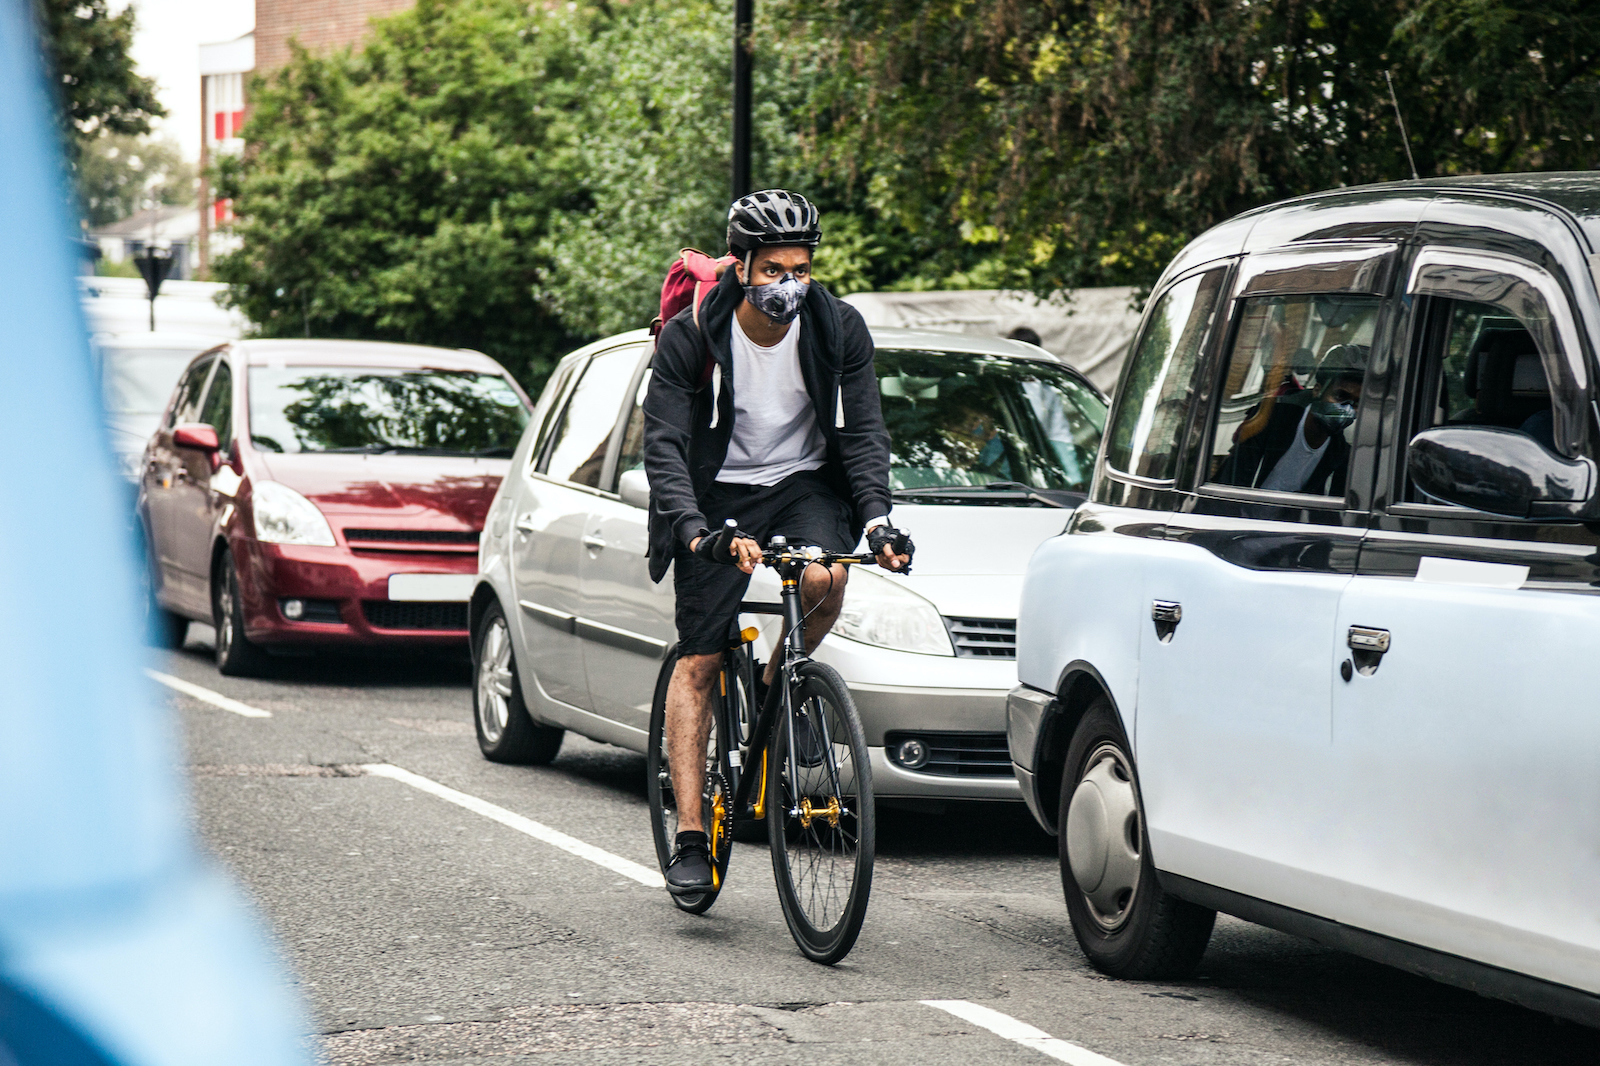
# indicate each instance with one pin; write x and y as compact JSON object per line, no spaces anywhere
{"x":1296,"y":464}
{"x":775,"y":431}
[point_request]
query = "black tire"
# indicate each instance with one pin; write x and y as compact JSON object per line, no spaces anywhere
{"x":823,"y":864}
{"x":1127,"y":926}
{"x":716,"y":803}
{"x":236,"y":656}
{"x":506,"y":732}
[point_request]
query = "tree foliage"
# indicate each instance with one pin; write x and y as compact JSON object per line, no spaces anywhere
{"x":1089,"y":138}
{"x":118,"y":174}
{"x":88,"y":51}
{"x":402,"y":192}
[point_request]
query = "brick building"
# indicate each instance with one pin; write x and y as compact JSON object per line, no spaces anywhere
{"x":317,"y":24}
{"x":225,"y":70}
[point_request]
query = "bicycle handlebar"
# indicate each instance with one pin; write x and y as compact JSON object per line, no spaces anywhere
{"x":780,"y":551}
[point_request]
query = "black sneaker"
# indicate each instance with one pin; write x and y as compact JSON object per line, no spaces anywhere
{"x":689,"y":872}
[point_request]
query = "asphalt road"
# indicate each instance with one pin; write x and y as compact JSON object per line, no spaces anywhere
{"x":420,"y":931}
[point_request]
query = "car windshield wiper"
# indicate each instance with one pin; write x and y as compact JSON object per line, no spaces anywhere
{"x":1013,"y":488}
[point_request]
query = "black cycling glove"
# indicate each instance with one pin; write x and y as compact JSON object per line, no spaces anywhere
{"x":896,"y":540}
{"x":718,"y":547}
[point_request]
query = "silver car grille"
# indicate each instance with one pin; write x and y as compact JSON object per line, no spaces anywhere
{"x":983,"y":638}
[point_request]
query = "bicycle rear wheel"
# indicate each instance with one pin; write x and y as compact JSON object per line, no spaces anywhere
{"x":820,"y":817}
{"x":716,"y":801}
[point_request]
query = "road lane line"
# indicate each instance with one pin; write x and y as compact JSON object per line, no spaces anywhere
{"x":1004,"y":1025}
{"x":205,"y":695}
{"x":554,"y":837}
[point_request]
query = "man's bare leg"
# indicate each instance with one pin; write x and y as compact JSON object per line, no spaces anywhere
{"x":815,"y":594}
{"x":688,"y":731}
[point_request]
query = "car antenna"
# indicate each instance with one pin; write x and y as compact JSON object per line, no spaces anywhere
{"x":1404,"y":139}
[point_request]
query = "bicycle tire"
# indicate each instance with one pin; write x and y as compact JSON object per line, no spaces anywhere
{"x":663,"y":804}
{"x":818,"y":853}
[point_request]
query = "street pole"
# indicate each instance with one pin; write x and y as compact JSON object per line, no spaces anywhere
{"x":743,"y":60}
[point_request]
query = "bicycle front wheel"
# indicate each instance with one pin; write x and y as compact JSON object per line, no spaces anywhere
{"x":715,"y":801}
{"x":820,"y":817}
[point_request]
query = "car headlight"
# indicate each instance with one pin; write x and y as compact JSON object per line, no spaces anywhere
{"x":881,"y":613}
{"x":283,"y":516}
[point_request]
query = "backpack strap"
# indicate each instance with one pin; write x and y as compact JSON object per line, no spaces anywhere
{"x":710,"y":372}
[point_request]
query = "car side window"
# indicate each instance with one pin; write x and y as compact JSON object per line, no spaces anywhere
{"x":631,"y":456}
{"x":577,"y":448}
{"x":186,"y":404}
{"x":217,"y":411}
{"x":1289,"y":393}
{"x":547,"y":407}
{"x":1154,"y":404}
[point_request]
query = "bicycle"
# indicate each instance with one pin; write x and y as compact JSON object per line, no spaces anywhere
{"x":810,"y":780}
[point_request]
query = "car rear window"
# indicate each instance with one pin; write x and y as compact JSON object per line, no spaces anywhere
{"x":379,"y":409}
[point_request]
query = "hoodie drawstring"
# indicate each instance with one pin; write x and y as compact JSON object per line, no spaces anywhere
{"x":838,"y":407}
{"x":716,"y":393}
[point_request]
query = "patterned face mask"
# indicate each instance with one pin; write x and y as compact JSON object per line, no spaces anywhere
{"x":779,"y":300}
{"x":1335,"y":416}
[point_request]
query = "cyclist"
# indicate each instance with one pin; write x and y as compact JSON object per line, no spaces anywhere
{"x":763,"y":408}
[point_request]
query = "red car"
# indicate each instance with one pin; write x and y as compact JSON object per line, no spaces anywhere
{"x":324,"y":493}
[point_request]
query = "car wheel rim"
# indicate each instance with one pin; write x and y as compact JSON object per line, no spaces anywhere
{"x":225,"y":623}
{"x":494,"y":681}
{"x":1104,"y":838}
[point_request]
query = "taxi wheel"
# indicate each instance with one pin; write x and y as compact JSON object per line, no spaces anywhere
{"x":1127,"y":926}
{"x":506,"y":732}
{"x":236,"y":656}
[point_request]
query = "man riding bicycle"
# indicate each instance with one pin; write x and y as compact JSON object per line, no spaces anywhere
{"x":762,"y":408}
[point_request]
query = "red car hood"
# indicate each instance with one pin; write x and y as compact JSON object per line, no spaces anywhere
{"x":455,"y":489}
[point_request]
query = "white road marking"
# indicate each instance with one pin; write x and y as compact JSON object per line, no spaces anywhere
{"x":205,"y":695}
{"x":554,"y":837}
{"x":1004,"y":1025}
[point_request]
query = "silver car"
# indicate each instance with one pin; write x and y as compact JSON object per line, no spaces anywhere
{"x":993,"y":445}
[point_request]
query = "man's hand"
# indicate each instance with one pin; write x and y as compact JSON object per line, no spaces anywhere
{"x":884,"y":541}
{"x":746,"y":551}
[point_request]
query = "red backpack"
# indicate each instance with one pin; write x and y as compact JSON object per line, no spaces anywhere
{"x":690,"y":279}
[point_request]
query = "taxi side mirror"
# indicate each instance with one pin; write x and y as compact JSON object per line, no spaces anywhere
{"x":1501,"y":471}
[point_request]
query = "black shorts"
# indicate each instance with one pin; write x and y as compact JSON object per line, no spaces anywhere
{"x":803,"y":507}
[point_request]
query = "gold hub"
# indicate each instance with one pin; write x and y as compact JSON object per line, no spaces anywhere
{"x":830,"y":812}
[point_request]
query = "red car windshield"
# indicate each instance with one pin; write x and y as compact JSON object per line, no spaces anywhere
{"x":376,"y":410}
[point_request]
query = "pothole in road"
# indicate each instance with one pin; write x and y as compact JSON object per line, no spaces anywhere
{"x":276,"y":770}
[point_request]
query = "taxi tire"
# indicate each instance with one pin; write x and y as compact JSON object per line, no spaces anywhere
{"x":1162,"y":936}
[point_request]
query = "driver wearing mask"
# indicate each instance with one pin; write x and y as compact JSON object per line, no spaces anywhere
{"x":1301,"y":447}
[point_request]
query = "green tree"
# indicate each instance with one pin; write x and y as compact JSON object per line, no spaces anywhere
{"x":119,"y":174}
{"x":88,"y":50}
{"x":402,"y":192}
{"x":1083,"y":141}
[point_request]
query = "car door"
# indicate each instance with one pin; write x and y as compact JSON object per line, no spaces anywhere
{"x":204,"y":492}
{"x":551,"y":519}
{"x":172,"y":496}
{"x":1468,"y":747}
{"x":626,"y":619}
{"x":1234,"y":680}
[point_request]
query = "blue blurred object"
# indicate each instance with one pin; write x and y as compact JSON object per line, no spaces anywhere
{"x":119,"y":942}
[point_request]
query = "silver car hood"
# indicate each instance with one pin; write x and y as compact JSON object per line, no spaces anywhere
{"x":970,"y":559}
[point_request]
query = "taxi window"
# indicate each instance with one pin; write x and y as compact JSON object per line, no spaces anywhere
{"x":1290,"y":391}
{"x":1153,"y":407}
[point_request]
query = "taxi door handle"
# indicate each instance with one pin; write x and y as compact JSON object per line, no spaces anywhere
{"x":593,"y":543}
{"x":1166,"y":614}
{"x":525,"y":523}
{"x":1367,"y":648}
